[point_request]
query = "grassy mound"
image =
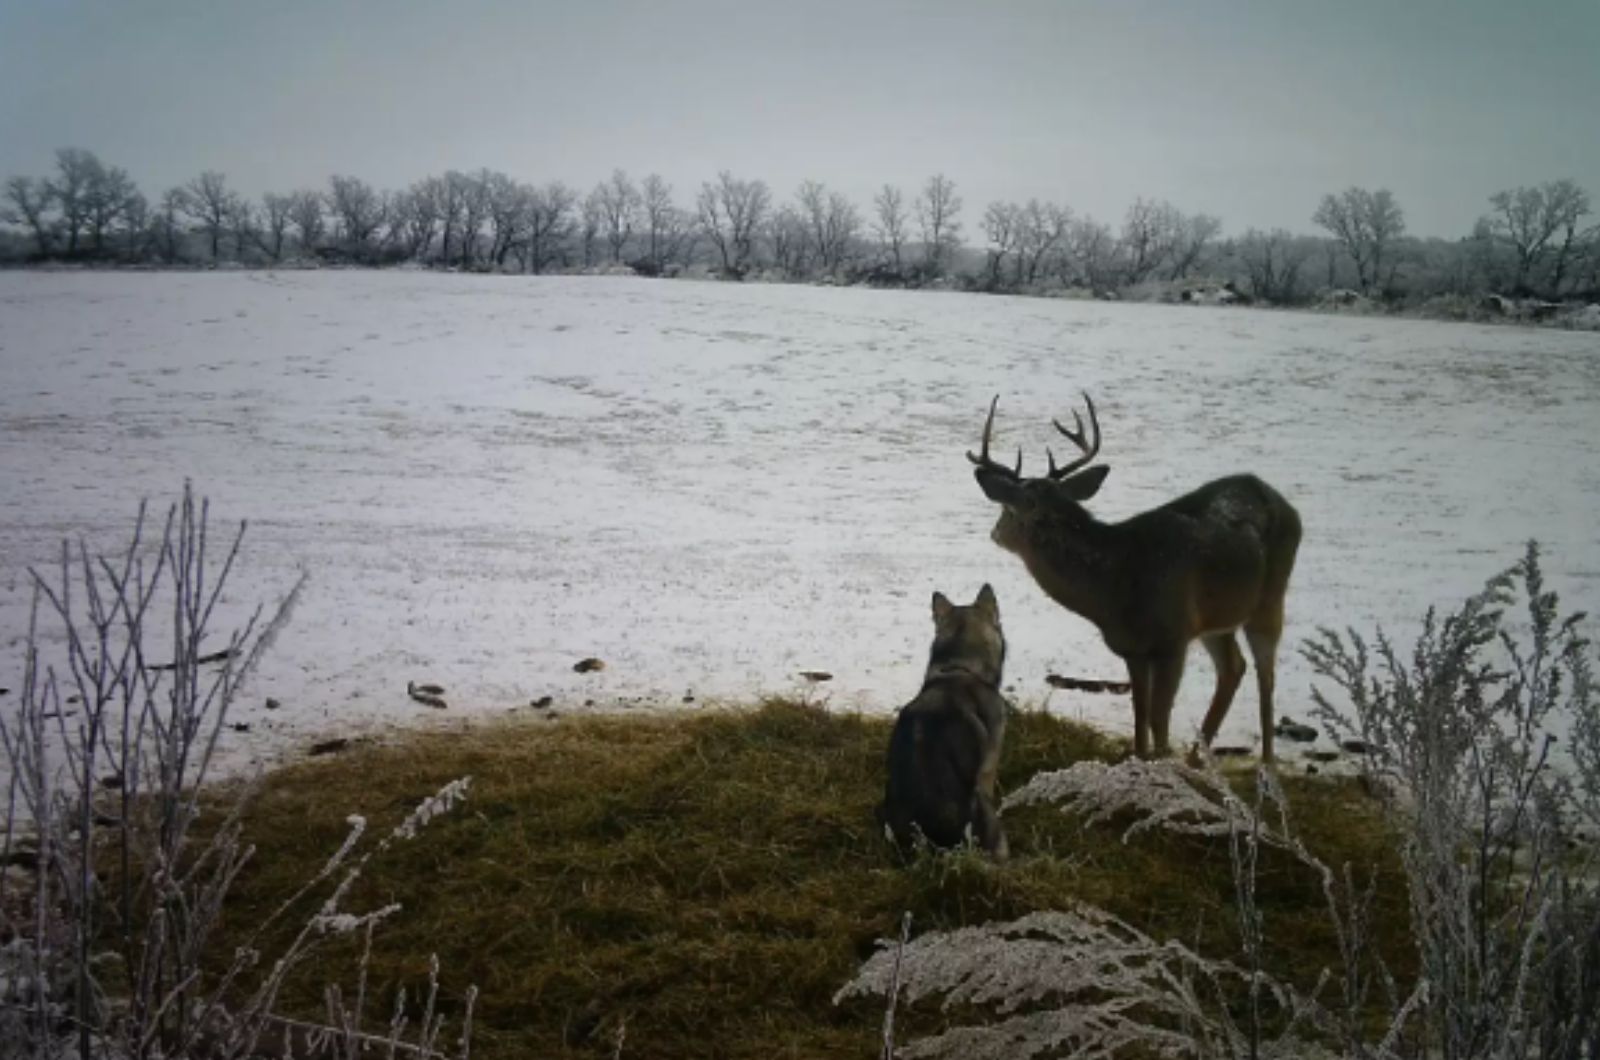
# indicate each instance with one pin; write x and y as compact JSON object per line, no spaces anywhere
{"x":702,"y":883}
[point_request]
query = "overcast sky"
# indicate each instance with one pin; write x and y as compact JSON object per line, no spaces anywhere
{"x":1250,"y":110}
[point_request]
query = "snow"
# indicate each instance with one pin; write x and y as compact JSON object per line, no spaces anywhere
{"x":714,"y":486}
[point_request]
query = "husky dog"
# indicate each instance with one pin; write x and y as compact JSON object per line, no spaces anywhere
{"x":945,"y":749}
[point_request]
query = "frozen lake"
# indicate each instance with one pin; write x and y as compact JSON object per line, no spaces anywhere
{"x":714,"y":486}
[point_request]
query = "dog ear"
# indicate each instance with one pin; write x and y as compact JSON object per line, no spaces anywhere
{"x":941,"y":607}
{"x":986,"y":601}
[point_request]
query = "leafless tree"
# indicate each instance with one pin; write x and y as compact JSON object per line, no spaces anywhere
{"x":938,"y":214}
{"x":591,"y":222}
{"x":1000,"y":227}
{"x":242,"y":227}
{"x":1147,"y":238}
{"x":1365,"y":223}
{"x":1541,"y":224}
{"x":731,"y":212}
{"x":663,"y":221}
{"x":166,"y":229}
{"x":889,"y":224}
{"x":1091,"y":254}
{"x":452,"y":209}
{"x":107,"y":197}
{"x":549,"y":225}
{"x":618,"y":202}
{"x":1272,"y":261}
{"x":788,"y":239}
{"x":1191,"y":235}
{"x":508,"y":210}
{"x":358,"y":210}
{"x":474,"y":190}
{"x":72,"y":191}
{"x":274,"y":230}
{"x":29,"y":202}
{"x":308,"y":217}
{"x":419,"y":210}
{"x":831,"y":224}
{"x":209,"y":201}
{"x":1041,"y":230}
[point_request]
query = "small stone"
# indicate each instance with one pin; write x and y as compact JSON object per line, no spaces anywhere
{"x":542,"y":702}
{"x":328,"y":747}
{"x":273,"y":704}
{"x":240,"y":726}
{"x":816,"y":677}
{"x":588,"y":666}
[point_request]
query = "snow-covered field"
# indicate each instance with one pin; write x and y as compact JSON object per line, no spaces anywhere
{"x":713,"y":486}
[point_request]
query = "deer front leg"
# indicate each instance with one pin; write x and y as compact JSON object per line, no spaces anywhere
{"x":1139,"y":683}
{"x":1166,"y":673}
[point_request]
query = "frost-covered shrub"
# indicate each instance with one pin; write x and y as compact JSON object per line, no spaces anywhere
{"x":1496,"y":817}
{"x":112,"y":890}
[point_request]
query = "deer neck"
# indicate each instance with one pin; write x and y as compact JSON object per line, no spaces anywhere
{"x":1077,"y":560}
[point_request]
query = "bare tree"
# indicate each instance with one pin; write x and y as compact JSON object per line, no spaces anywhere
{"x":889,"y":224}
{"x":358,"y":210}
{"x":508,"y":209}
{"x":1190,"y":236}
{"x":1365,"y":223}
{"x":452,"y":209}
{"x":1272,"y":262}
{"x":1529,"y":220}
{"x":308,"y":218}
{"x":166,"y":229}
{"x":474,"y":191}
{"x":1147,"y":237}
{"x":106,"y":200}
{"x":77,"y":172}
{"x":938,"y":214}
{"x":209,"y":201}
{"x":731,"y":212}
{"x":30,"y":201}
{"x":274,"y":231}
{"x":662,"y":219}
{"x":242,"y":228}
{"x":1091,"y":254}
{"x":788,"y":239}
{"x":1000,"y":226}
{"x":618,"y":202}
{"x":1041,"y":230}
{"x":549,"y":225}
{"x":420,"y":209}
{"x":591,"y":221}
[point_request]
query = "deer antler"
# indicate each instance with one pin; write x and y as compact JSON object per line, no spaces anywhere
{"x":983,"y":460}
{"x":1089,"y":449}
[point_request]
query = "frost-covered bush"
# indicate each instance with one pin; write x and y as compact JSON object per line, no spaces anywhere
{"x":1496,"y":817}
{"x":113,"y":887}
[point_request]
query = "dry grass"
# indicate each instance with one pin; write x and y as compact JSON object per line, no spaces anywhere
{"x":708,"y":880}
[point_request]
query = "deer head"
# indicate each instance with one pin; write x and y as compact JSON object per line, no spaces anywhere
{"x":1032,"y":506}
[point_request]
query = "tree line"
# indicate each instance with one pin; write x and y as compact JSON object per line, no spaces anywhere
{"x":1532,"y":241}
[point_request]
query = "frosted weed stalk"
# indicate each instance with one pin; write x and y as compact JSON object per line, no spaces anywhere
{"x":111,"y":895}
{"x":1497,"y":820}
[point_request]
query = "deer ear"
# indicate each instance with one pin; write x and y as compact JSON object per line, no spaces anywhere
{"x":1086,"y":484}
{"x":999,"y":488}
{"x":941,"y":607}
{"x":986,"y":601}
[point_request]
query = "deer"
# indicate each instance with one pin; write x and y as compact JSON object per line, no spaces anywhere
{"x":1201,"y":567}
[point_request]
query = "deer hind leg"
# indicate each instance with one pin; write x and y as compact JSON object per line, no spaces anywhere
{"x":1166,"y":673}
{"x":1262,"y":637}
{"x":1229,"y":662}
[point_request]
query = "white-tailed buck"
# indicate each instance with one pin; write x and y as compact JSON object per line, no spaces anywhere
{"x":1203,"y":566}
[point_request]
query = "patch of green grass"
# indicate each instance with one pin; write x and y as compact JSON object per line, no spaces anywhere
{"x":708,"y":880}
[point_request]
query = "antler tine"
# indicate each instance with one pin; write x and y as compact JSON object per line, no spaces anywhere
{"x":983,"y":459}
{"x":1089,"y":448}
